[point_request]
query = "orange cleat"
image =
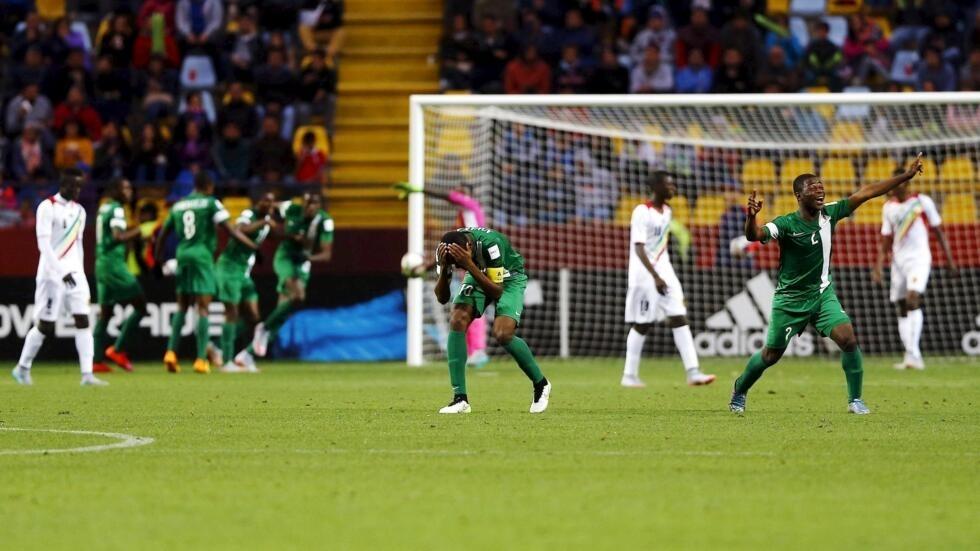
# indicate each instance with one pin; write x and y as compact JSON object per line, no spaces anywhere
{"x":101,"y":367}
{"x":202,"y":366}
{"x":119,"y":358}
{"x":170,"y":361}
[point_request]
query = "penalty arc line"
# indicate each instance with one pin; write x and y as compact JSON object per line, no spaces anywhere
{"x":124,"y":441}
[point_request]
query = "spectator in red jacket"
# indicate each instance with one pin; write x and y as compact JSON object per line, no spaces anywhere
{"x":527,"y":74}
{"x":76,"y":109}
{"x":311,"y":164}
{"x":865,"y":49}
{"x":698,"y":34}
{"x":164,"y":7}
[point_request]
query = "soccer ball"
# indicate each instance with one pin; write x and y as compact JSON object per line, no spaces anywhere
{"x":411,"y":263}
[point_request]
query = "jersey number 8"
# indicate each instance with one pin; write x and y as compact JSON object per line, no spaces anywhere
{"x":189,"y":227}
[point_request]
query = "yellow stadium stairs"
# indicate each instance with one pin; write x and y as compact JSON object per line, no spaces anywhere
{"x":389,"y":53}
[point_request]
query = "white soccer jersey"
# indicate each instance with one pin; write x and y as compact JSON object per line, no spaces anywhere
{"x":906,"y":221}
{"x":60,"y":224}
{"x":652,"y":228}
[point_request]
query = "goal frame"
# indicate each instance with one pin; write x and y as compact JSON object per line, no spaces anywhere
{"x":417,"y":147}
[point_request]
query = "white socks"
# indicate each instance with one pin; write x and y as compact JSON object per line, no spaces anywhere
{"x":32,"y":344}
{"x":685,"y":345}
{"x":86,"y":348}
{"x":634,"y":350}
{"x":904,"y":329}
{"x":915,"y":332}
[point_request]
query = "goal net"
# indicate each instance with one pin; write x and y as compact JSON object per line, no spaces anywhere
{"x":560,"y":175}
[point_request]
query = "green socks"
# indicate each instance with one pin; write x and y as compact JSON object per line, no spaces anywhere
{"x":176,"y":324}
{"x":853,"y":364}
{"x":201,"y":334}
{"x":101,"y":335}
{"x":126,"y":330}
{"x":278,"y":316}
{"x":228,"y":333}
{"x":753,"y":370}
{"x":520,"y":351}
{"x":456,"y":351}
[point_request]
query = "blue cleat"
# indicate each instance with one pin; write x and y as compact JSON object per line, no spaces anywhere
{"x":22,"y":376}
{"x":857,"y":407}
{"x":737,"y":405}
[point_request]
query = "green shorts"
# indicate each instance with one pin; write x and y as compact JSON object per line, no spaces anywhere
{"x":510,"y":303}
{"x":116,"y":285}
{"x":787,"y":321}
{"x":287,"y":269}
{"x":196,"y":277}
{"x":235,"y":286}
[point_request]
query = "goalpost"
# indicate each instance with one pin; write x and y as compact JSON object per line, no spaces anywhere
{"x":560,"y":176}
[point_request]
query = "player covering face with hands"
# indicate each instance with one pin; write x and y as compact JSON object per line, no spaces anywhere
{"x":805,"y":289}
{"x":494,"y":274}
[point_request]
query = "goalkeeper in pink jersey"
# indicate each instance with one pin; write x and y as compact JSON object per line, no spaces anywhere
{"x":469,"y":215}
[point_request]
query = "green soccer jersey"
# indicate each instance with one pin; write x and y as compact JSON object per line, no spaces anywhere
{"x":194,"y":218}
{"x":237,"y":255}
{"x":804,"y":253}
{"x":110,"y":252}
{"x":318,"y":229}
{"x":495,"y":255}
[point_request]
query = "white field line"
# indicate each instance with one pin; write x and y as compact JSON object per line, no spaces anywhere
{"x":124,"y":441}
{"x":593,"y":453}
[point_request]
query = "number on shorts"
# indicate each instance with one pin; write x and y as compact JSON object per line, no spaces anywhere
{"x":189,"y":228}
{"x":788,"y":331}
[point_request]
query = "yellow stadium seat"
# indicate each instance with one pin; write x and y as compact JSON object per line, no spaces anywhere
{"x":782,"y":204}
{"x":759,"y":174}
{"x":839,"y":177}
{"x":793,"y":167}
{"x":235,"y":205}
{"x":843,"y":7}
{"x":681,"y":209}
{"x":624,"y":210}
{"x":870,"y":212}
{"x":878,"y":169}
{"x":957,"y":174}
{"x":777,"y":6}
{"x":959,"y":208}
{"x":708,"y":210}
{"x":846,"y":133}
{"x":456,"y":140}
{"x":319,"y":134}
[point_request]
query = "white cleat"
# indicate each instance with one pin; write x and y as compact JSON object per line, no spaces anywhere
{"x":246,"y":362}
{"x":260,"y":340}
{"x":857,"y":407}
{"x":915,"y":363}
{"x":22,"y":376}
{"x":91,"y":380}
{"x":542,"y":393}
{"x":632,"y":381}
{"x":696,"y":378}
{"x":232,"y":367}
{"x":214,"y":354}
{"x":457,"y":406}
{"x":904,"y":364}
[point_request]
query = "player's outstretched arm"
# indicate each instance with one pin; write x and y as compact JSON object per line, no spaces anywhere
{"x":752,"y":230}
{"x":870,"y":191}
{"x":445,"y":274}
{"x":127,"y":235}
{"x":464,"y":259}
{"x":237,"y":235}
{"x":884,"y":245}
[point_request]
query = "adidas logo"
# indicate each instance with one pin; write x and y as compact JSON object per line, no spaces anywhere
{"x":740,"y":327}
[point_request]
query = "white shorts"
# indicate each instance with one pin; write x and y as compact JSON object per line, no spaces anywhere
{"x":910,"y":276}
{"x":645,"y":305}
{"x":52,"y":297}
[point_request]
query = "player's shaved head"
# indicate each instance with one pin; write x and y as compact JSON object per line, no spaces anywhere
{"x":455,"y":236}
{"x":801,"y":181}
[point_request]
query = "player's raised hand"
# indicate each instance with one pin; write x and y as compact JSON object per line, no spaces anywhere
{"x":916,"y":167}
{"x":755,"y":205}
{"x":463,"y":257}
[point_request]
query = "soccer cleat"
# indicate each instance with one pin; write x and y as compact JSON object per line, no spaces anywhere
{"x":542,"y":392}
{"x":857,"y":407}
{"x":632,"y":381}
{"x":170,"y":362}
{"x":22,"y":376}
{"x":458,"y":405}
{"x":696,"y":378}
{"x":260,"y":340}
{"x":101,"y":367}
{"x":90,"y":380}
{"x":477,"y":359}
{"x":232,"y":367}
{"x":737,"y":404}
{"x":246,"y":362}
{"x":915,"y":363}
{"x":202,"y":366}
{"x":119,"y":358}
{"x":214,"y":354}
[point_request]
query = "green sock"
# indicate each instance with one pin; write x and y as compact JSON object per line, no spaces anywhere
{"x":456,"y":350}
{"x":101,"y":336}
{"x":278,"y":316}
{"x":126,"y":330}
{"x":521,"y":352}
{"x":753,"y":370}
{"x":176,"y":324}
{"x":201,"y":334}
{"x":228,"y":333}
{"x":853,"y":364}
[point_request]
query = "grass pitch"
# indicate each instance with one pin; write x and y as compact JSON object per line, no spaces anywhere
{"x":354,"y":456}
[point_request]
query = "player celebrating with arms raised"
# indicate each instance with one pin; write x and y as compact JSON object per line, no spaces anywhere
{"x":654,"y":290}
{"x":805,"y":291}
{"x":61,"y":283}
{"x":903,"y":230}
{"x":495,"y":273}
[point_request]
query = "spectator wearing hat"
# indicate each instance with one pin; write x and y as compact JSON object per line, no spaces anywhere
{"x":658,"y":32}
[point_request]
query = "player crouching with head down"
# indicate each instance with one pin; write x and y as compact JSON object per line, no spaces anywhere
{"x":805,"y":290}
{"x":495,"y":274}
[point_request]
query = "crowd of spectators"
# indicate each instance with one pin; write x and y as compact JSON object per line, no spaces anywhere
{"x":159,"y":90}
{"x":706,"y":46}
